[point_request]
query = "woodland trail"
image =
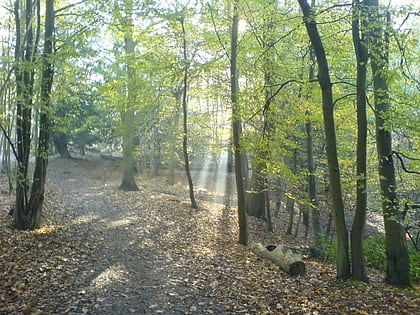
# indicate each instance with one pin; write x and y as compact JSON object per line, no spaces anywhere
{"x":104,"y":251}
{"x":131,"y":268}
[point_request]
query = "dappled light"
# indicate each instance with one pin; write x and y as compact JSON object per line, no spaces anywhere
{"x":209,"y":157}
{"x":115,"y":273}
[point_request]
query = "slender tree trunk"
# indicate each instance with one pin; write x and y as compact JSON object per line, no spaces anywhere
{"x":41,"y":160}
{"x":237,"y":129}
{"x":127,"y":115}
{"x":359,"y":271}
{"x":290,"y":210}
{"x":278,"y":192}
{"x":290,"y":202}
{"x":173,"y":153}
{"x":194,"y":204}
{"x":342,"y":260}
{"x":24,"y":56}
{"x":397,"y":259}
{"x":313,"y":195}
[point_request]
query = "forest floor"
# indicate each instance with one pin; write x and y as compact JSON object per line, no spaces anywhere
{"x":105,"y":251}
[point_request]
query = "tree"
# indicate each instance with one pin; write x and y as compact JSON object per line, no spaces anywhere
{"x":24,"y":75}
{"x":342,"y":260}
{"x":185,"y":115}
{"x":236,"y":128}
{"x":359,"y":29}
{"x":41,"y":158}
{"x":27,"y":214}
{"x":127,"y":113}
{"x":397,"y":259}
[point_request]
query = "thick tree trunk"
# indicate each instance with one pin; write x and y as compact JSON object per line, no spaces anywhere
{"x":60,"y":144}
{"x":397,"y":258}
{"x":255,"y":197}
{"x":342,"y":260}
{"x":359,"y":271}
{"x":282,"y":257}
{"x":237,"y":130}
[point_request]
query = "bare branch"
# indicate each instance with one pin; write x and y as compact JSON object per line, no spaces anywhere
{"x":69,"y":6}
{"x":10,"y":141}
{"x":217,"y":31}
{"x":400,"y":155}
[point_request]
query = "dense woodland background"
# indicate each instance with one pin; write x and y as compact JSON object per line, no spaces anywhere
{"x":311,"y":107}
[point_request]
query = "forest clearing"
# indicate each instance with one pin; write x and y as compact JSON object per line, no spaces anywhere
{"x":106,"y":251}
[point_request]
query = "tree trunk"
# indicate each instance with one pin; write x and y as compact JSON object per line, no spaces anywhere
{"x":60,"y":144}
{"x":24,"y":76}
{"x":312,"y":191}
{"x":41,"y":160}
{"x":173,"y":151}
{"x":290,"y":210}
{"x":278,"y":192}
{"x":342,"y":260}
{"x":127,"y":115}
{"x":279,"y":255}
{"x":397,"y":258}
{"x":290,"y":202}
{"x":359,"y":271}
{"x":194,"y":204}
{"x":255,"y":197}
{"x":237,"y":129}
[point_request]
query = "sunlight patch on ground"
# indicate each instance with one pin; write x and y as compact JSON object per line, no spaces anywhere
{"x":83,"y":219}
{"x":115,"y":273}
{"x":44,"y":230}
{"x":117,"y":223}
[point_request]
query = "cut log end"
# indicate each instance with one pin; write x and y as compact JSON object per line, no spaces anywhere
{"x":297,"y":268}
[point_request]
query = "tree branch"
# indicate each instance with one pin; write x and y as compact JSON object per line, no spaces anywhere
{"x":68,"y":7}
{"x":10,"y":141}
{"x":400,"y":155}
{"x":217,"y":31}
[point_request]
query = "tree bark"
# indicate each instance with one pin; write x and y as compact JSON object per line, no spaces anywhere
{"x":127,"y":114}
{"x":342,"y":260}
{"x":24,"y":77}
{"x":312,"y":191}
{"x":194,"y":204}
{"x":255,"y":197}
{"x":237,"y":129}
{"x":359,"y":271}
{"x":60,"y":143}
{"x":41,"y":160}
{"x":173,"y":147}
{"x":397,"y":258}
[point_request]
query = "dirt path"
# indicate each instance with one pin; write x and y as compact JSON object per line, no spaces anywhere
{"x":129,"y":268}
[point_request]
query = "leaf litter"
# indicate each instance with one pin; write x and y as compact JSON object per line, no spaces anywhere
{"x":104,"y":251}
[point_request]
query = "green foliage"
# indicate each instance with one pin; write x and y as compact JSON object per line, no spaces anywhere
{"x":415,"y":263}
{"x":374,"y":248}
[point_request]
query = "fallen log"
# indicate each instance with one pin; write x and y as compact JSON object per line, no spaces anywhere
{"x":281,"y":256}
